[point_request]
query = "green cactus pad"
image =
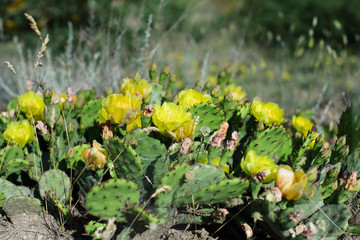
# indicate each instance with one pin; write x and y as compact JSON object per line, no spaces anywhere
{"x":11,"y":158}
{"x":209,"y":116}
{"x":175,"y":178}
{"x":112,"y":199}
{"x":55,"y":183}
{"x":152,"y":154}
{"x":273,"y":142}
{"x":351,"y":163}
{"x":218,"y":193}
{"x":349,"y":126}
{"x":229,"y":108}
{"x":90,"y":114}
{"x":204,"y":175}
{"x":21,"y":204}
{"x":296,"y":211}
{"x":9,"y":189}
{"x":339,"y":215}
{"x":123,"y":160}
{"x":34,"y":170}
{"x":157,"y":94}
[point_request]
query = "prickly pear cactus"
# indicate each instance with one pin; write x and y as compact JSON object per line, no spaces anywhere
{"x":124,"y":162}
{"x":112,"y":199}
{"x":349,"y":126}
{"x":273,"y":142}
{"x":55,"y":185}
{"x":209,"y":115}
{"x":152,"y":154}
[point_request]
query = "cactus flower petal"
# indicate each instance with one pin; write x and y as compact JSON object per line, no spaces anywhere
{"x":32,"y":104}
{"x":20,"y":132}
{"x":269,"y":113}
{"x":253,"y":164}
{"x":191,"y":97}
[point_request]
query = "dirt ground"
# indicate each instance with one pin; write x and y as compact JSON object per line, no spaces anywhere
{"x":31,"y":226}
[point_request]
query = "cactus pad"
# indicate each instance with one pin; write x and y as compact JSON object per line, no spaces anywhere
{"x":218,"y":193}
{"x":124,"y":160}
{"x":55,"y":184}
{"x":273,"y":142}
{"x":112,"y":199}
{"x":209,"y":115}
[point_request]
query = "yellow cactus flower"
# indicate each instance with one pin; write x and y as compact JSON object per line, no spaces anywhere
{"x":302,"y":125}
{"x":269,"y":113}
{"x":292,"y":185}
{"x":121,"y":109}
{"x":237,"y":93}
{"x":173,"y":120}
{"x":95,"y":157}
{"x":20,"y":132}
{"x":191,"y":97}
{"x":32,"y":104}
{"x":139,"y":87}
{"x":262,"y":168}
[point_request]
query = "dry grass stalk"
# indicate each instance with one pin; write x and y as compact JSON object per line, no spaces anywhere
{"x":10,"y":66}
{"x":42,"y":50}
{"x":33,"y":25}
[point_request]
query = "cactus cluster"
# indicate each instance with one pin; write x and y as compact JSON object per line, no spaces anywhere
{"x":210,"y":156}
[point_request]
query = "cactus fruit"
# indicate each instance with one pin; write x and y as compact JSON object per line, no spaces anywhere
{"x":112,"y":199}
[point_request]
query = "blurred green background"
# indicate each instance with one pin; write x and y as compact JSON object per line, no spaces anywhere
{"x":300,"y":54}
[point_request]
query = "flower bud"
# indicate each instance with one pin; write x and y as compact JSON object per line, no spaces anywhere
{"x":107,"y":134}
{"x":340,"y":142}
{"x":95,"y":157}
{"x":148,"y":111}
{"x":47,"y":96}
{"x":312,"y":174}
{"x":325,"y":153}
{"x":164,"y":74}
{"x":344,"y":151}
{"x":185,"y":146}
{"x":153,"y":71}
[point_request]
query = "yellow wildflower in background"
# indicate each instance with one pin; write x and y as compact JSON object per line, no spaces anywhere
{"x":191,"y":97}
{"x":121,"y":109}
{"x":32,"y":104}
{"x":20,"y":132}
{"x":173,"y":118}
{"x":269,"y":113}
{"x":139,"y":87}
{"x":252,"y":165}
{"x":286,"y":76}
{"x":237,"y":93}
{"x":292,"y":185}
{"x":95,"y":157}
